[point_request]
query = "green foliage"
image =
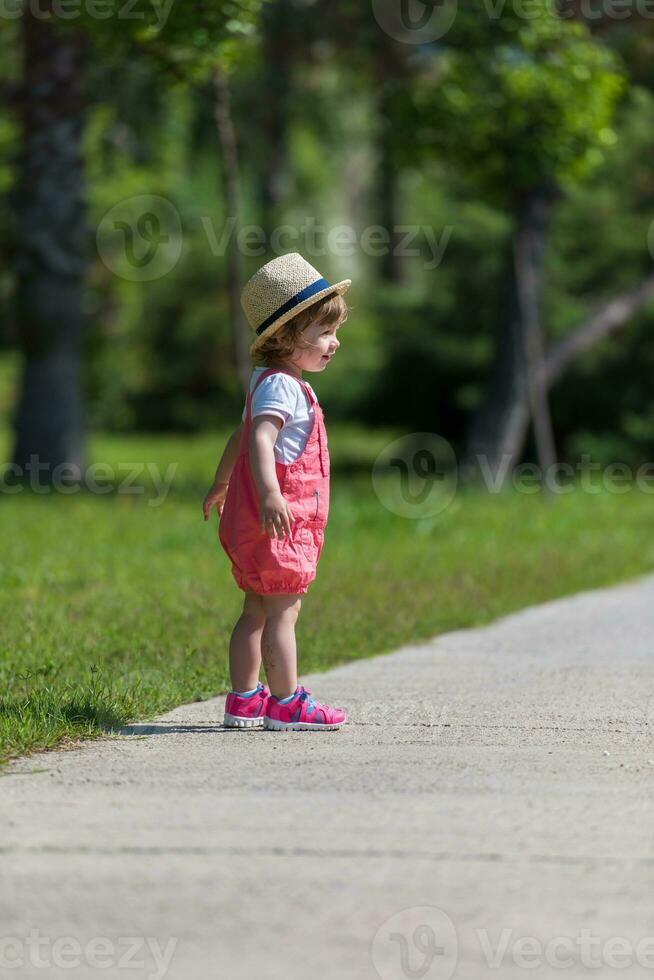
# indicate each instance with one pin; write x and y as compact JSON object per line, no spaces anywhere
{"x":9,"y":145}
{"x":498,"y":103}
{"x":159,"y":354}
{"x":184,"y":40}
{"x":435,"y":328}
{"x":82,"y":654}
{"x":599,"y":240}
{"x":520,"y":101}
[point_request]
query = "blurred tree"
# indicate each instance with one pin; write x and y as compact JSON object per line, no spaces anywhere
{"x":231,"y":180}
{"x":201,"y":43}
{"x":391,"y":72}
{"x":9,"y":135}
{"x":524,"y":106}
{"x":280,"y":37}
{"x":50,"y":231}
{"x":380,"y":63}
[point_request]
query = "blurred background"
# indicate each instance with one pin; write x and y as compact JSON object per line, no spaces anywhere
{"x":482,"y":171}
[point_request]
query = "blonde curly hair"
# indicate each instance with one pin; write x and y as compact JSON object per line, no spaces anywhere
{"x":330,"y":311}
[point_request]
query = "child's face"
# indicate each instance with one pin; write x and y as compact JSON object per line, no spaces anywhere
{"x":323,"y":345}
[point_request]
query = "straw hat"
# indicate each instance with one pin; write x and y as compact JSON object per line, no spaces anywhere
{"x":281,"y":289}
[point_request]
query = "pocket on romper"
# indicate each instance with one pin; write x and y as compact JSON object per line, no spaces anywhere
{"x":311,"y":541}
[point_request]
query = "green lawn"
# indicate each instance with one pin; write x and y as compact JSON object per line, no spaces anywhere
{"x":114,"y":610}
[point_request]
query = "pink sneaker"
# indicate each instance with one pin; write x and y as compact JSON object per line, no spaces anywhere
{"x":246,"y":712}
{"x":302,"y":713}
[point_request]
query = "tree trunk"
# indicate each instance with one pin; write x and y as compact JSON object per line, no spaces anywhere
{"x":529,"y":246}
{"x":392,"y":264}
{"x":275,"y":101}
{"x":227,"y":140}
{"x":516,"y":386}
{"x":50,"y":247}
{"x":387,"y":189}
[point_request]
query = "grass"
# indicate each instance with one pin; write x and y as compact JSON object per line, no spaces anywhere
{"x":114,"y":610}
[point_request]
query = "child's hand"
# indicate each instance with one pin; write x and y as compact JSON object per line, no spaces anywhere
{"x":275,"y":515}
{"x":216,"y":496}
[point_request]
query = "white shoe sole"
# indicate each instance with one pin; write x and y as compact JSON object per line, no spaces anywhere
{"x":233,"y":721}
{"x":298,"y":726}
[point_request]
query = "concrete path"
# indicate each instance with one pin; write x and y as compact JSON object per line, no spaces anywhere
{"x":488,"y":812}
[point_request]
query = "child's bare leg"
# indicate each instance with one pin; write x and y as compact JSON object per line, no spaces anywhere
{"x":278,"y":643}
{"x":245,"y":644}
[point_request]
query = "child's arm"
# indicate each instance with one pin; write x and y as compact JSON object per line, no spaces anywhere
{"x":275,"y":515}
{"x":218,"y":490}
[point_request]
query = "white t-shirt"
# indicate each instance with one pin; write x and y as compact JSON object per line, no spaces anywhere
{"x":283,"y":396}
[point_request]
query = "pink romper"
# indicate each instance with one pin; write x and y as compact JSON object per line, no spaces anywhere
{"x":278,"y":565}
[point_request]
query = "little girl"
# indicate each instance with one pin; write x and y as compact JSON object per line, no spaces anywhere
{"x":271,"y":490}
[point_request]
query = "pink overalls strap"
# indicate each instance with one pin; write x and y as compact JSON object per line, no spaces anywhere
{"x":264,"y":374}
{"x":319,"y":428}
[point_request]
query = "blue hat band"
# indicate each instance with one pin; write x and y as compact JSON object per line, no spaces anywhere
{"x":300,"y":297}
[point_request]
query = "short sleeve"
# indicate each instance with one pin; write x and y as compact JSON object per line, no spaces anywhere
{"x":276,"y":395}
